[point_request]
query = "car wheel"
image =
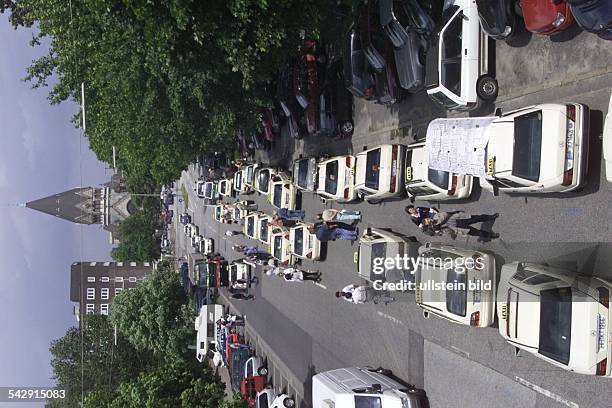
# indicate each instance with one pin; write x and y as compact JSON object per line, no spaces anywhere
{"x":347,"y":128}
{"x":487,"y":88}
{"x":262,"y":371}
{"x":289,"y":403}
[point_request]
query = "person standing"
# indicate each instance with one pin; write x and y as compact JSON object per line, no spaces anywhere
{"x":295,"y":275}
{"x":332,"y":215}
{"x":286,"y":214}
{"x":329,"y":232}
{"x":363,"y":294}
{"x":437,"y":225}
{"x":418,"y":214}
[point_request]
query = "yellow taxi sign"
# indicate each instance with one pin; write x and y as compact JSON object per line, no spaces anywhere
{"x":418,"y":295}
{"x":408,"y":173}
{"x":355,"y":257}
{"x":491,"y":165}
{"x":504,"y":312}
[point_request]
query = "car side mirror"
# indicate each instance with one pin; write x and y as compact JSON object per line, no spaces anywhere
{"x":517,"y":351}
{"x":425,"y":314}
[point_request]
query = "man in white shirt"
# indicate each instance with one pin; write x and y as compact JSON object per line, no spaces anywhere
{"x":362,"y":294}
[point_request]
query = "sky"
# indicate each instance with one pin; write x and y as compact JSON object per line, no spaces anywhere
{"x":41,"y":153}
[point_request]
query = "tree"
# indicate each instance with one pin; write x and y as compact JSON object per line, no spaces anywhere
{"x":104,"y":365}
{"x":155,"y":317}
{"x":137,"y":238}
{"x":165,"y":80}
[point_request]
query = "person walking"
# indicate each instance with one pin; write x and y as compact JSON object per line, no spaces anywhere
{"x":330,"y":232}
{"x":362,"y":294}
{"x":231,"y":233}
{"x":295,"y":275}
{"x":246,"y":206}
{"x":286,"y":214}
{"x":332,"y":215}
{"x":436,"y":225}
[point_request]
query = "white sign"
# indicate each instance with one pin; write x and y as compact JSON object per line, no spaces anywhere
{"x":458,"y":145}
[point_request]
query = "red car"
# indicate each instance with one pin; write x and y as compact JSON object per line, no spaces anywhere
{"x":270,"y":123}
{"x":250,"y":386}
{"x":306,"y":83}
{"x":546,"y":17}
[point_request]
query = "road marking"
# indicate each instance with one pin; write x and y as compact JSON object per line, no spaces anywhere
{"x":321,"y":286}
{"x":389,"y":317}
{"x":546,"y":393}
{"x":459,"y":351}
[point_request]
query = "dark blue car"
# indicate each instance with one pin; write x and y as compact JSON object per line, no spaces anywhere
{"x":594,"y":16}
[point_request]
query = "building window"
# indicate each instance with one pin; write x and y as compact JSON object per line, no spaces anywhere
{"x":106,"y":263}
{"x":90,"y":308}
{"x":91,"y":279}
{"x":132,"y":263}
{"x":119,"y":263}
{"x":104,"y":279}
{"x":118,"y":291}
{"x":146,"y":264}
{"x":92,"y":264}
{"x":132,"y":279}
{"x":104,"y":308}
{"x":104,"y":293}
{"x":91,"y":293}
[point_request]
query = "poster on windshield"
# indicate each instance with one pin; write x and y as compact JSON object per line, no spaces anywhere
{"x":458,"y":145}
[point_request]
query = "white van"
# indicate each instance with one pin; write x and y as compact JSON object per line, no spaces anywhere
{"x":356,"y":387}
{"x":457,"y":63}
{"x":204,"y":326}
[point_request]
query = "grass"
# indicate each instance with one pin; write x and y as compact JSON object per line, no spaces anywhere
{"x":185,"y":196}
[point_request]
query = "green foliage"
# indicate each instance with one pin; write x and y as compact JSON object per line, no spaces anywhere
{"x":137,"y":238}
{"x":104,"y":364}
{"x":165,"y":80}
{"x":155,"y":317}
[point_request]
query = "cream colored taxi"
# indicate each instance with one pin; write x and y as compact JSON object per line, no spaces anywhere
{"x":283,"y":193}
{"x":280,"y":245}
{"x":379,"y":172}
{"x":425,"y":183}
{"x":557,"y":316}
{"x":456,"y":284}
{"x":263,"y":178}
{"x":539,"y":149}
{"x":250,"y":224}
{"x":249,"y":176}
{"x":304,"y":245}
{"x":226,"y":187}
{"x":336,"y":179}
{"x":263,"y":229}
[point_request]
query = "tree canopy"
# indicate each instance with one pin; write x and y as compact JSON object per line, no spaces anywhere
{"x":137,"y":238}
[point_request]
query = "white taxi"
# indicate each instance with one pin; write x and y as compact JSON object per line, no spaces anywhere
{"x":304,"y":174}
{"x":263,"y":177}
{"x":250,"y":224}
{"x":380,"y":172}
{"x":249,"y":176}
{"x":557,"y":316}
{"x":456,"y":284}
{"x":206,"y":246}
{"x":280,"y":245}
{"x":239,"y":182}
{"x":239,"y":275}
{"x":283,"y":193}
{"x":226,"y":187}
{"x":304,"y":245}
{"x":263,"y":229}
{"x":539,"y":149}
{"x":336,"y":179}
{"x":424,"y":183}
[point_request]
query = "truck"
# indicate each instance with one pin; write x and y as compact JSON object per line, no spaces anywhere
{"x":205,"y":324}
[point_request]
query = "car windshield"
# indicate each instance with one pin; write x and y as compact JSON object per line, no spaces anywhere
{"x":451,"y":55}
{"x":300,"y":172}
{"x":331,"y":177}
{"x":250,"y":226}
{"x":456,"y":297}
{"x":263,"y":181}
{"x":208,"y":189}
{"x":527,"y":146}
{"x":238,"y":180}
{"x":556,"y":324}
{"x":277,"y":250}
{"x":222,"y":186}
{"x":249,"y":174}
{"x":277,"y":195}
{"x":372,"y":172}
{"x":263,"y":230}
{"x":298,"y":241}
{"x":362,"y":401}
{"x":439,"y":177}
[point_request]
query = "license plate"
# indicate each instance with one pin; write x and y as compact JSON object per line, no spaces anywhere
{"x":491,"y":165}
{"x":418,"y":295}
{"x":408,"y":173}
{"x":355,"y":257}
{"x":504,"y":312}
{"x":394,"y":168}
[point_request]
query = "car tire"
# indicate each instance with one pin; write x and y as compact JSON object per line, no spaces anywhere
{"x":262,"y":371}
{"x":289,"y":403}
{"x":487,"y":88}
{"x":347,"y":128}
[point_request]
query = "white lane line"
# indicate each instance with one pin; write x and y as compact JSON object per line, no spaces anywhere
{"x":546,"y":393}
{"x":389,"y":317}
{"x":321,"y":286}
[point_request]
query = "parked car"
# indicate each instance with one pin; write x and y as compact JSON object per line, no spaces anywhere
{"x":283,"y":193}
{"x":249,"y":176}
{"x":425,"y":183}
{"x":557,"y":316}
{"x":594,"y":16}
{"x":546,"y":17}
{"x":368,"y":388}
{"x":225,"y":187}
{"x":607,"y":142}
{"x":280,"y":245}
{"x":455,"y":269}
{"x":263,"y":178}
{"x":288,"y":103}
{"x":270,"y":123}
{"x":199,"y":188}
{"x":206,"y":246}
{"x":237,"y":356}
{"x":358,"y":75}
{"x":379,"y":172}
{"x":250,"y":387}
{"x":457,"y":73}
{"x":263,"y":229}
{"x":498,"y":18}
{"x":185,"y":218}
{"x":255,"y":366}
{"x":304,"y":245}
{"x":378,"y":244}
{"x":304,"y":174}
{"x":335,"y":114}
{"x":239,"y":275}
{"x":307,"y":80}
{"x":266,"y":398}
{"x":337,"y":179}
{"x":539,"y":149}
{"x":239,"y":182}
{"x":210,"y":191}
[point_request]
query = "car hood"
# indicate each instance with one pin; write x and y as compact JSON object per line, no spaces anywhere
{"x":592,"y":15}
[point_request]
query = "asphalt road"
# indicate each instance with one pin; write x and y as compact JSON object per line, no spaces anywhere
{"x":311,"y":331}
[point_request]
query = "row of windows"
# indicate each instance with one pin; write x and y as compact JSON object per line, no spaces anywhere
{"x":106,"y":279}
{"x":91,"y":293}
{"x":90,"y":308}
{"x":118,"y":264}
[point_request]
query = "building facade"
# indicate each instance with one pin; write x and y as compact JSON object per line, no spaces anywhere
{"x":94,"y":285}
